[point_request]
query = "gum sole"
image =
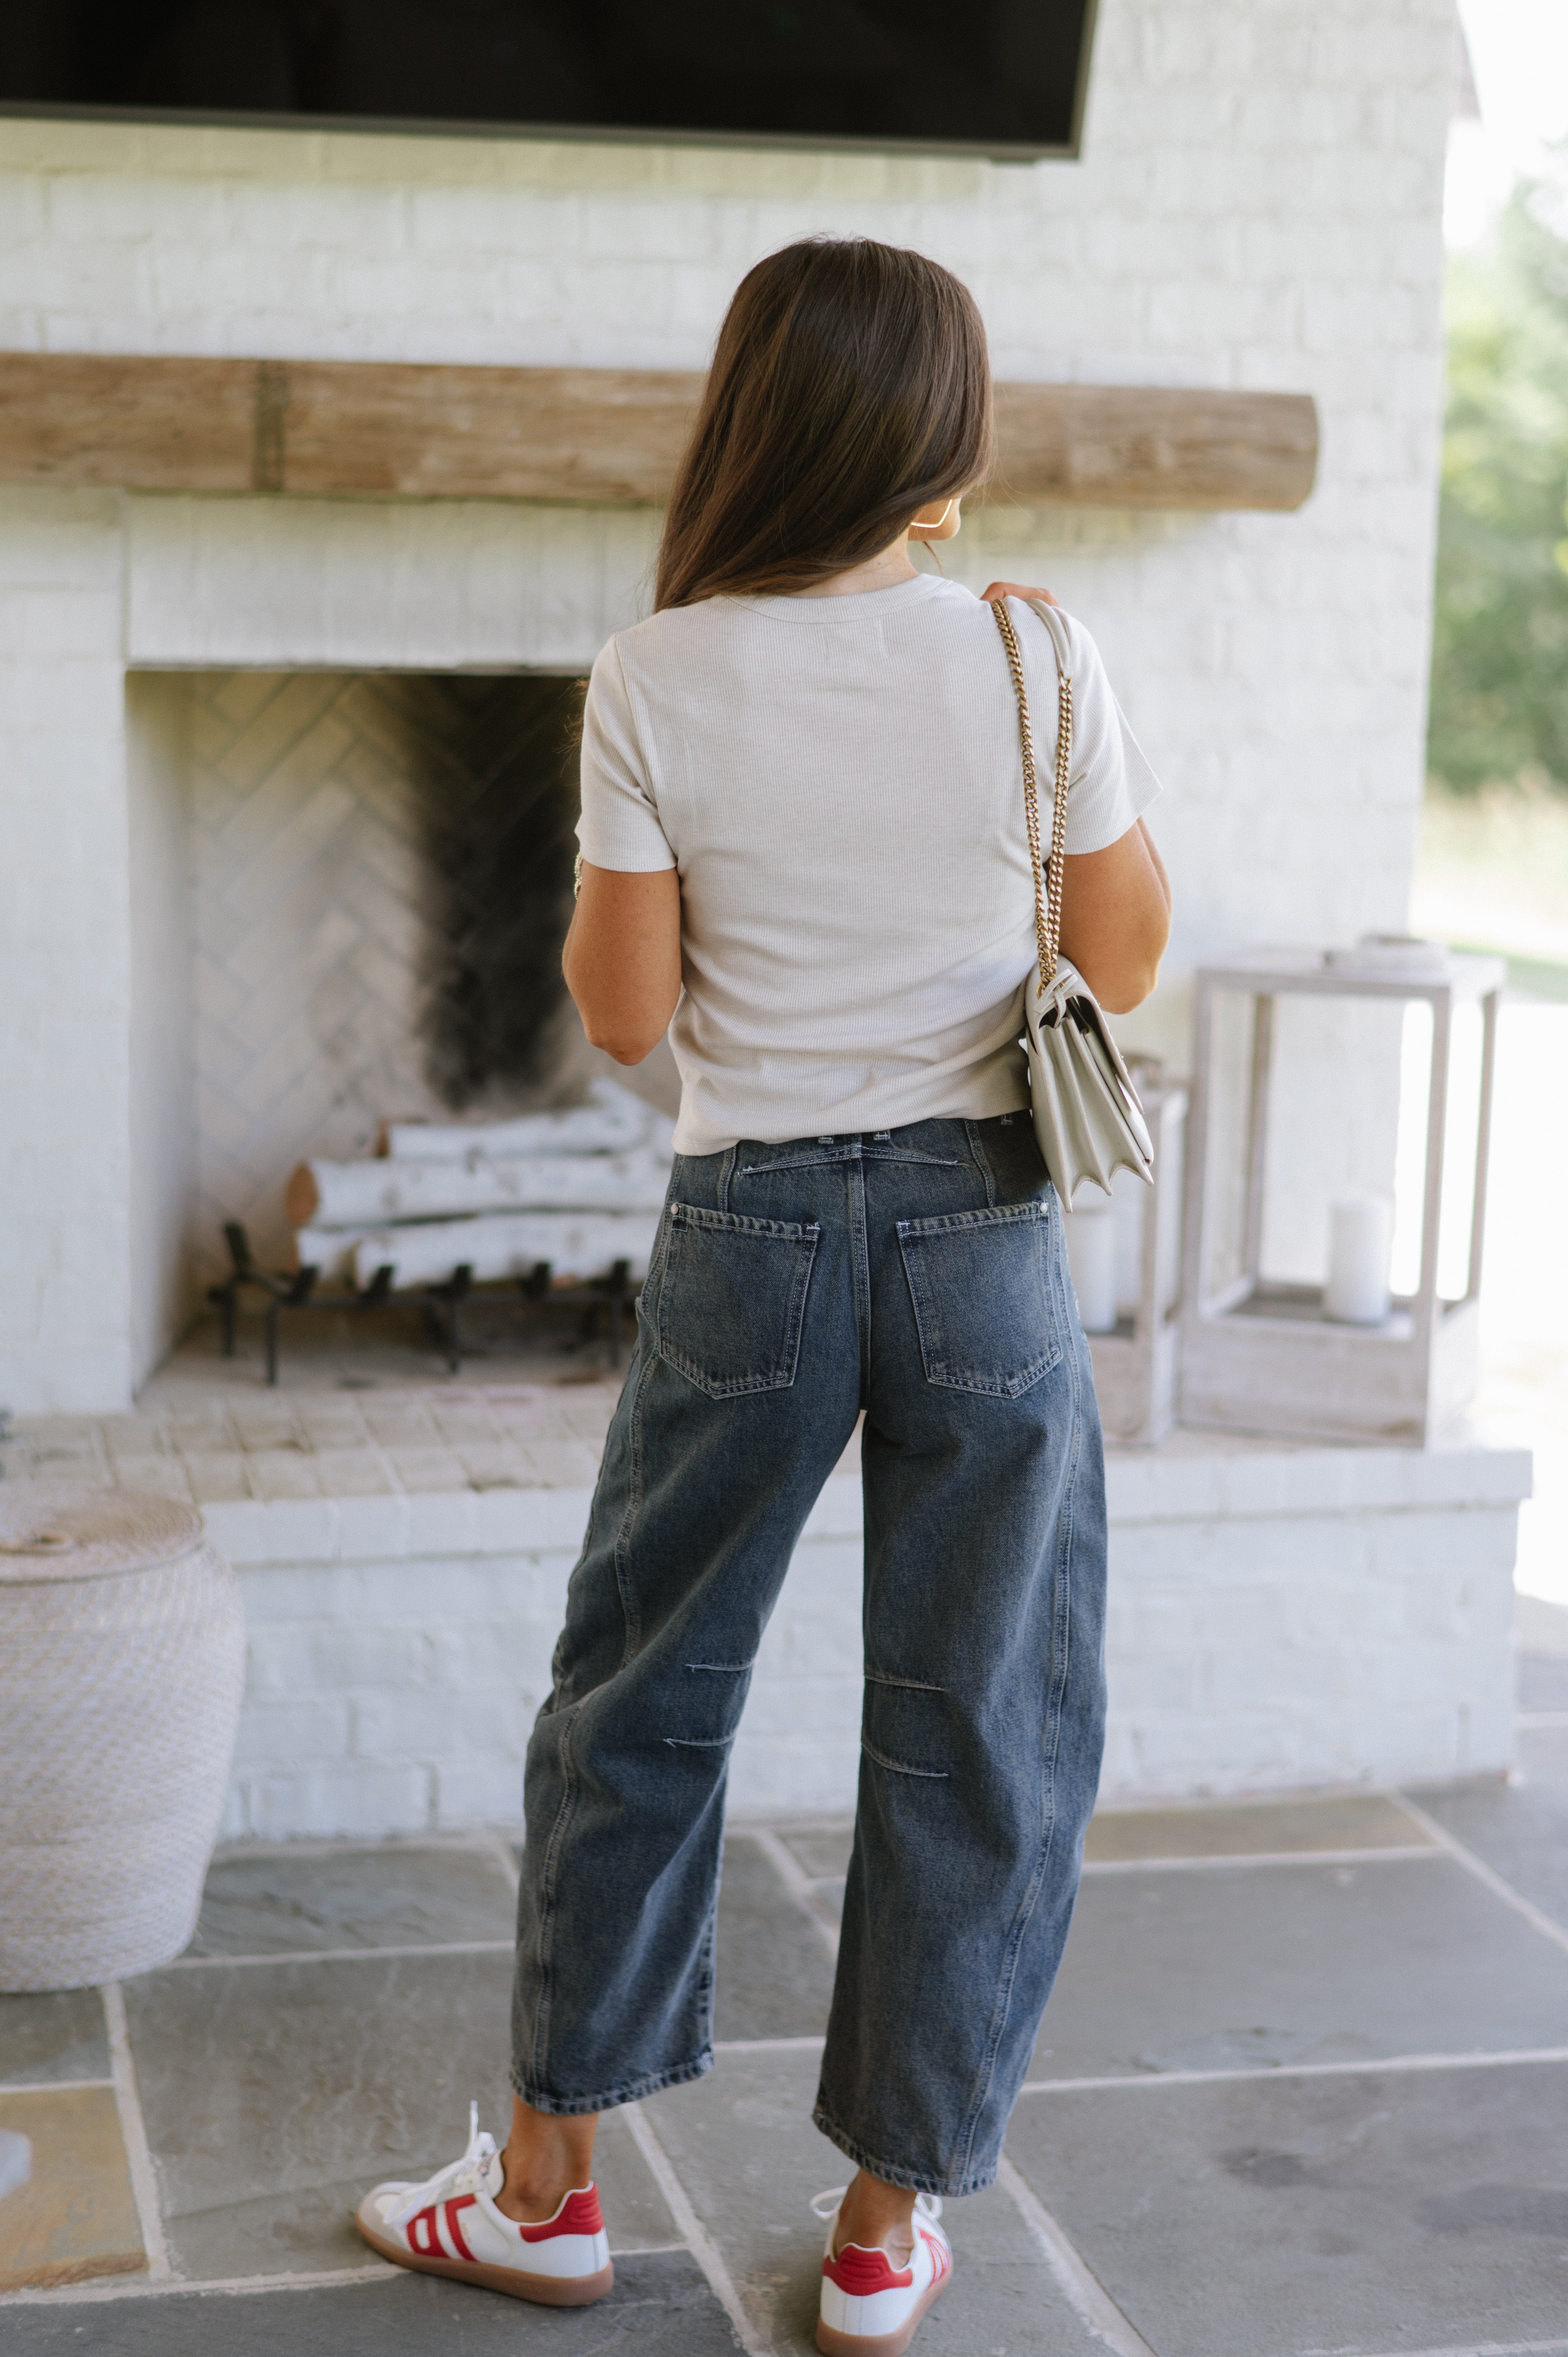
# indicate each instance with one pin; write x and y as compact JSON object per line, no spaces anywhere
{"x":833,"y":2343}
{"x":545,"y":2291}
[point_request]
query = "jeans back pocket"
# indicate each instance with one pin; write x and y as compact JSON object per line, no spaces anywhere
{"x":732,"y":1300}
{"x":981,"y":1285}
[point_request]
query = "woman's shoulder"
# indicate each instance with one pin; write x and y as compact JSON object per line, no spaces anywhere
{"x":673,"y":628}
{"x":944,"y":615}
{"x":950,"y":599}
{"x":1044,"y":642}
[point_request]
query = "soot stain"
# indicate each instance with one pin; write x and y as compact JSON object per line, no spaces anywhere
{"x":498,"y":763}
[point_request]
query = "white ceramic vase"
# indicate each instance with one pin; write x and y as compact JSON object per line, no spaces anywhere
{"x":122,"y":1660}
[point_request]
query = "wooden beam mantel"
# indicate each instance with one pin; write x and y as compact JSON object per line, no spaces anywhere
{"x":603,"y":437}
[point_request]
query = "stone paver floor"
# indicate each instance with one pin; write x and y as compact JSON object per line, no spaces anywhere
{"x":1302,"y":2092}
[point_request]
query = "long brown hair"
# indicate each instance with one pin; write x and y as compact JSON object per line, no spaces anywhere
{"x":849,"y":388}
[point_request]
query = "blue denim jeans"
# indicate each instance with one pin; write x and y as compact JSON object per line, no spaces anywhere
{"x":920,"y":1274}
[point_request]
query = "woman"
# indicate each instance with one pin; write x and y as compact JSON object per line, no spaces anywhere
{"x":805,"y":855}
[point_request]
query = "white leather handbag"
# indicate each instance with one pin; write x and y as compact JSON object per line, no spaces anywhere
{"x":1086,"y":1116}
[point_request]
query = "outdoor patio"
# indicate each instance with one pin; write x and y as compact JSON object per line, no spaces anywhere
{"x":1300,"y":2090}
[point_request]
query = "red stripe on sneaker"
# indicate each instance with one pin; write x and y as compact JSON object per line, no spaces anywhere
{"x":579,"y":2214}
{"x":455,"y":2232}
{"x":939,"y":2253}
{"x":432,"y":2246}
{"x":859,"y":2272}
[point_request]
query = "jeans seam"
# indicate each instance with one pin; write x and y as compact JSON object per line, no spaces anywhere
{"x":547,"y":1889}
{"x":1031,"y":1211}
{"x":696,"y":1218}
{"x":633,"y":1504}
{"x":920,"y":1161}
{"x":860,"y":1270}
{"x":707,"y":1972}
{"x":821,"y":1160}
{"x":983,"y":1163}
{"x":985,"y":2077}
{"x":901,"y":1768}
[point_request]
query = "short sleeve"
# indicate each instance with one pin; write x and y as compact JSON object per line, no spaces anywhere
{"x":1110,"y":783}
{"x":620,"y":827}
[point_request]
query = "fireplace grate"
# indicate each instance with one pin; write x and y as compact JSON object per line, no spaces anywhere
{"x":602,"y":1302}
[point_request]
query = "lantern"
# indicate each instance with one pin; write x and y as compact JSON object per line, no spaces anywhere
{"x":1351,"y":1357}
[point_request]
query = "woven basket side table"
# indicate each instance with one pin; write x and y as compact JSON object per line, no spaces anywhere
{"x":122,"y":1662}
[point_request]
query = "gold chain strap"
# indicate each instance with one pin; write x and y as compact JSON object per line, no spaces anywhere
{"x":1047,"y":884}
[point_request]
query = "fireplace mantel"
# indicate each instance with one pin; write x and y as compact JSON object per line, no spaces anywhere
{"x":600,"y":437}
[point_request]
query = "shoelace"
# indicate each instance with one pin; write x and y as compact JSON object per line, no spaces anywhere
{"x":469,"y":2173}
{"x":926,"y":2205}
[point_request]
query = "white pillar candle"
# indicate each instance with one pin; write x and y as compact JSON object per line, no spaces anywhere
{"x":1361,"y":1235}
{"x":1091,"y":1257}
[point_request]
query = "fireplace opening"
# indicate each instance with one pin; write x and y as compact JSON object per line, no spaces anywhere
{"x":350,"y":892}
{"x":496,"y":762}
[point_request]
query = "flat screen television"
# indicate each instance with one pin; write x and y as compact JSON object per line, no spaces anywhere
{"x":992,"y":77}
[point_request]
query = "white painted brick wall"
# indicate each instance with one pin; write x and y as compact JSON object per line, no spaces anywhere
{"x":65,"y":1309}
{"x":1257,"y":205}
{"x":392,"y":1691}
{"x":1278,"y":1618}
{"x":431,"y":585}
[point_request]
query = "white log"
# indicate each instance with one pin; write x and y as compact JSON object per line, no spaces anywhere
{"x":611,"y":1121}
{"x":328,"y":1251}
{"x":576,"y":1244}
{"x":367,"y":1194}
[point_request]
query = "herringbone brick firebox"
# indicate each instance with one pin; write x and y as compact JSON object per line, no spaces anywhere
{"x":379,"y":872}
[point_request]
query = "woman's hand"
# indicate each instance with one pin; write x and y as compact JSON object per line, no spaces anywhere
{"x":1000,"y":589}
{"x":622,"y":958}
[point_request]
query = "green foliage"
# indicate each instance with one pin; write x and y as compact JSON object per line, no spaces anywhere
{"x":1499,"y":680}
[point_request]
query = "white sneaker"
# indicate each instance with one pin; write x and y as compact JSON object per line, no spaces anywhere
{"x":870,"y":2307}
{"x":450,"y":2226}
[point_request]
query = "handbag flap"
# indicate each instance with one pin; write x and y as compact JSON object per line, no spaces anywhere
{"x":1070,"y":1007}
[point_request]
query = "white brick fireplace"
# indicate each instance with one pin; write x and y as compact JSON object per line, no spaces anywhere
{"x":133,"y":614}
{"x":1257,"y":207}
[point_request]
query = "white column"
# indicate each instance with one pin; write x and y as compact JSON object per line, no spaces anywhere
{"x":65,"y":1325}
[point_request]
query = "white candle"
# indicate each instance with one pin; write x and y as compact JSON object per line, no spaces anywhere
{"x":1361,"y":1235}
{"x":1091,"y":1257}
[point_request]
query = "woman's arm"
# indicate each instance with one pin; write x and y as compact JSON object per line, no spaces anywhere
{"x":1116,"y":918}
{"x":622,"y":958}
{"x":1116,"y":903}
